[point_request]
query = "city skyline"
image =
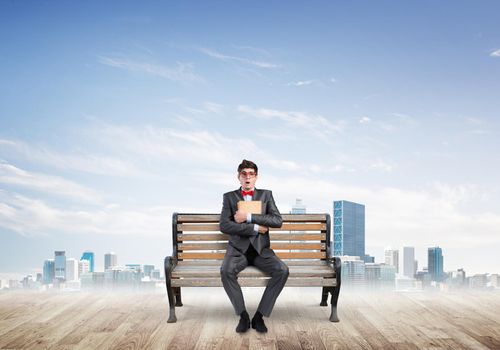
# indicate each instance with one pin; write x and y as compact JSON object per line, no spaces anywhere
{"x":114,"y":117}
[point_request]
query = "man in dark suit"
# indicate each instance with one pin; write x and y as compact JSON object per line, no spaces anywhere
{"x":249,"y":245}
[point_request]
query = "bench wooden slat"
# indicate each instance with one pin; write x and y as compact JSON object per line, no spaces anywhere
{"x":274,"y":245}
{"x":216,"y":217}
{"x":217,"y":263}
{"x":284,"y":227}
{"x":252,"y":271}
{"x":254,"y":282}
{"x":274,"y":237}
{"x":282,"y":255}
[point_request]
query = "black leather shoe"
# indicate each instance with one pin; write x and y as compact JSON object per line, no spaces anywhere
{"x":244,"y":324}
{"x":259,"y":325}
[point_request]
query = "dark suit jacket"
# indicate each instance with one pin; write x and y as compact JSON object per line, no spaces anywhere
{"x":242,"y":235}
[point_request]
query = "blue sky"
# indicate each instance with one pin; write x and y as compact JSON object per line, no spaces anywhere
{"x":114,"y":115}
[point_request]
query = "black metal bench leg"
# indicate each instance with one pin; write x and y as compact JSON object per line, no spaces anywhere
{"x":324,"y":297}
{"x":336,"y":290}
{"x":178,"y":299}
{"x":170,"y":292}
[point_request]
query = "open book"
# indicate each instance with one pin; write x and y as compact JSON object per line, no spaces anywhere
{"x":252,"y":207}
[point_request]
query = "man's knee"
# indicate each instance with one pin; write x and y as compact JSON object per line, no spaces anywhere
{"x":227,"y":273}
{"x":283,"y":271}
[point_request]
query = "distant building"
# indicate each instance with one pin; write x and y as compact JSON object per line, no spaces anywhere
{"x":49,"y":272}
{"x":424,"y":278}
{"x":392,"y":258}
{"x":156,"y":274}
{"x":348,"y":229}
{"x":88,"y":255}
{"x":60,"y":265}
{"x":298,"y":207}
{"x":435,"y":263}
{"x":457,"y":279}
{"x":478,"y":281}
{"x":83,"y":267}
{"x":110,"y":261}
{"x":380,"y":276}
{"x":408,"y":262}
{"x":369,"y":259}
{"x":495,"y":281}
{"x":148,"y":269}
{"x":353,"y":272}
{"x":71,"y":270}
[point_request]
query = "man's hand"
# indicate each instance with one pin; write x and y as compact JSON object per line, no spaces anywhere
{"x":240,"y":216}
{"x":263,"y":229}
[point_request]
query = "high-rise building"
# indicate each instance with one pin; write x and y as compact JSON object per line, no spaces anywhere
{"x":380,"y":276}
{"x":90,"y":257}
{"x":392,"y":257}
{"x":60,"y":264}
{"x":48,"y":271}
{"x":408,"y":262}
{"x":83,"y":267}
{"x":110,"y":261}
{"x":148,"y":269}
{"x":71,"y":270}
{"x":348,"y":229}
{"x":353,"y":271}
{"x":435,"y":263}
{"x":298,"y":207}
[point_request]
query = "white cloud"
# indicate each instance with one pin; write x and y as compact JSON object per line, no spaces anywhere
{"x":50,"y":184}
{"x":182,"y":72}
{"x":364,"y":120}
{"x":381,"y":165}
{"x":214,"y":107}
{"x":301,"y":83}
{"x":495,"y":53}
{"x":227,"y":58}
{"x":317,"y":124}
{"x":28,"y":216}
{"x":87,"y":163}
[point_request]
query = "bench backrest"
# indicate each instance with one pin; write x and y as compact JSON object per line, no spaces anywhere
{"x":302,"y":236}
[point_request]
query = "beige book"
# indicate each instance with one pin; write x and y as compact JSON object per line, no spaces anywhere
{"x":252,"y":207}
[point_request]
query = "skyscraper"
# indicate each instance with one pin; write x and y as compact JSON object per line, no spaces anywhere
{"x":48,"y":271}
{"x":83,"y":267}
{"x":60,"y":264}
{"x":71,"y":270}
{"x":392,"y":257}
{"x":408,"y":262}
{"x":110,"y":261}
{"x":435,"y":263}
{"x":90,"y":257}
{"x":298,"y":207}
{"x":348,"y":229}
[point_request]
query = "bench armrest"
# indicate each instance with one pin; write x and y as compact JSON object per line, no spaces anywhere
{"x":170,"y":263}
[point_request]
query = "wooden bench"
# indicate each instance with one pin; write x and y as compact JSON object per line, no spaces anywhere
{"x":303,"y":243}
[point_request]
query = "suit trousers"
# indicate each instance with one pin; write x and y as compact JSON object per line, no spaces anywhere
{"x":236,"y":261}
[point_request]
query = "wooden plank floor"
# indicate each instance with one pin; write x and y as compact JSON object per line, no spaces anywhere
{"x":468,"y":320}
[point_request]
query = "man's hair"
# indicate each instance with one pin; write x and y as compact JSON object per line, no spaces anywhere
{"x":247,"y":164}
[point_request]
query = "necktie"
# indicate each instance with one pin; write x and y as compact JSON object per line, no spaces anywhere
{"x":247,"y":193}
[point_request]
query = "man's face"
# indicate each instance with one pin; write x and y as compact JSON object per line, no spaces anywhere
{"x":247,"y":178}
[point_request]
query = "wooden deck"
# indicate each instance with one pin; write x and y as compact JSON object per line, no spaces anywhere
{"x":206,"y":321}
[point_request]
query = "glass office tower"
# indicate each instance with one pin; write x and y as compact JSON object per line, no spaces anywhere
{"x":348,"y":229}
{"x":435,"y":263}
{"x":90,"y":257}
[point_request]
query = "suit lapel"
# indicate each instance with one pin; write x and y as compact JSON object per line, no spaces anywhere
{"x":238,"y":195}
{"x":257,"y":194}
